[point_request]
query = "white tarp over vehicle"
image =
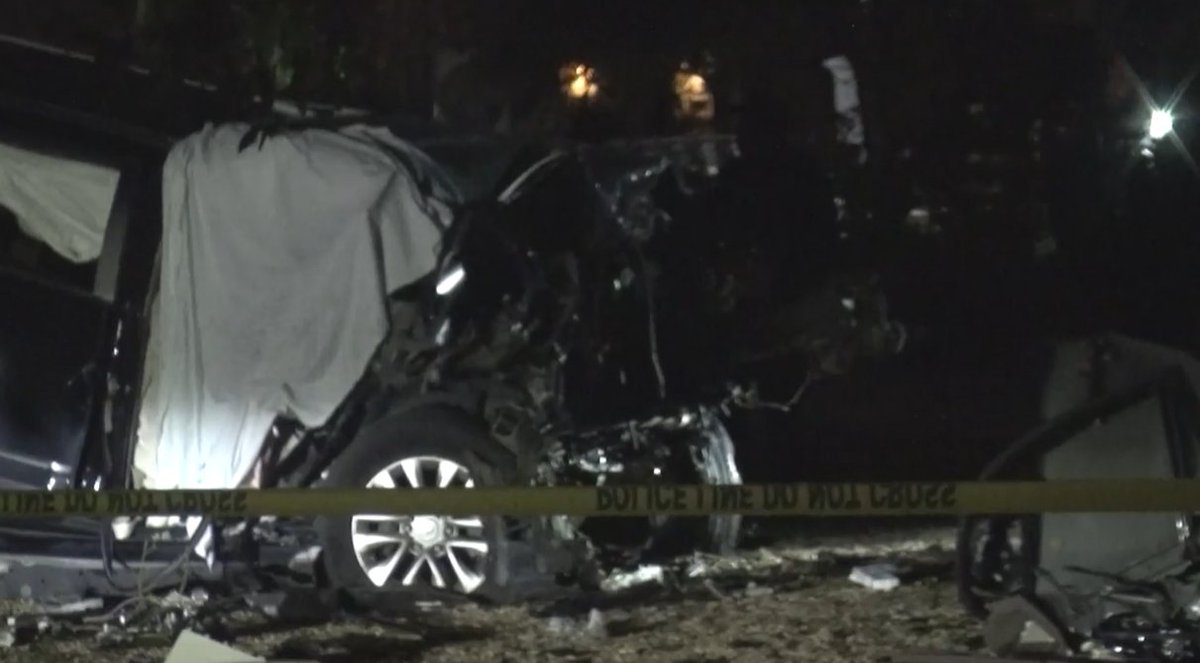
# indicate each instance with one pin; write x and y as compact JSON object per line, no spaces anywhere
{"x":275,"y":263}
{"x":61,"y":202}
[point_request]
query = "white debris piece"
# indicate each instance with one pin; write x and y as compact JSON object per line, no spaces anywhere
{"x":595,"y":626}
{"x":705,"y":566}
{"x":74,"y":607}
{"x":644,"y":575}
{"x":880,"y":577}
{"x":190,"y":647}
{"x":1033,"y":635}
{"x":871,"y":545}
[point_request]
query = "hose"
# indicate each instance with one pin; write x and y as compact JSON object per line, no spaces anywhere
{"x":106,"y":555}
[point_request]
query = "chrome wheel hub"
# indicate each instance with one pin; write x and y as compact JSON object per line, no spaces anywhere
{"x":428,"y":531}
{"x":422,"y":550}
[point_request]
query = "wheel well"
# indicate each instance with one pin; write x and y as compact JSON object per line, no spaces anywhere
{"x":459,"y":402}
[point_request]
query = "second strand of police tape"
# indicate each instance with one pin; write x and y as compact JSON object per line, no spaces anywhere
{"x":812,"y":499}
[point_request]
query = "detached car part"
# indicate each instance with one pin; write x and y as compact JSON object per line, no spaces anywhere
{"x":1124,"y":584}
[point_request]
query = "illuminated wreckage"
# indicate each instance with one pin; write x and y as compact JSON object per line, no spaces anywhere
{"x":1109,"y":586}
{"x":1113,"y":586}
{"x":312,"y":307}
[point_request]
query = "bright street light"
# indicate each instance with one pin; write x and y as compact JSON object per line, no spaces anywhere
{"x":1161,"y":124}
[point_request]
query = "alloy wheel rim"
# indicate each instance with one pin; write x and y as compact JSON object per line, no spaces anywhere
{"x":422,"y":550}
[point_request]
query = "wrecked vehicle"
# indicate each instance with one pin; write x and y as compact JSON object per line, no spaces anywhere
{"x":1119,"y":586}
{"x":267,"y":306}
{"x":495,"y":358}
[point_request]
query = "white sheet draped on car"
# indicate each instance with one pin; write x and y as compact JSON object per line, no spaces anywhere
{"x":62,"y":202}
{"x":274,"y":268}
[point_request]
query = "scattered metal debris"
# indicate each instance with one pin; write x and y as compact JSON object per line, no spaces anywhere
{"x":643,"y":575}
{"x":704,"y":565}
{"x":73,"y":608}
{"x":111,"y":635}
{"x":879,"y":577}
{"x":1109,"y":586}
{"x":1016,"y":626}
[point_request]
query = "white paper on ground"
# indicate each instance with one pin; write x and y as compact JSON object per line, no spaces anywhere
{"x":880,"y":577}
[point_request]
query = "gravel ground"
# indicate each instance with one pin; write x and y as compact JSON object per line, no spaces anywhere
{"x":790,"y":601}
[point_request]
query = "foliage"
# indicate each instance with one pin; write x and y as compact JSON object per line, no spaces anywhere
{"x":303,"y":48}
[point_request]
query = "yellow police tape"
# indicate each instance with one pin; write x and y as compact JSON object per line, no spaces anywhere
{"x":793,"y":499}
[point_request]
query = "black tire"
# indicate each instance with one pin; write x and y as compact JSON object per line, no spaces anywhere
{"x":1013,"y":463}
{"x":720,"y":467}
{"x":719,"y":533}
{"x":973,"y":593}
{"x":440,"y":432}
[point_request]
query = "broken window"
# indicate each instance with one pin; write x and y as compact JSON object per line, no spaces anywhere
{"x":27,"y":256}
{"x":53,"y":214}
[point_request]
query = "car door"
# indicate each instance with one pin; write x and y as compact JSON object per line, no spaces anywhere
{"x":59,"y":249}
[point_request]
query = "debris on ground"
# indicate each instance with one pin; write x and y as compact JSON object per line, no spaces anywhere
{"x":191,"y":647}
{"x":773,"y":603}
{"x":754,"y":591}
{"x":880,"y":577}
{"x":644,"y":575}
{"x":594,"y":626}
{"x":295,"y":606}
{"x":73,"y":608}
{"x":1016,"y":625}
{"x":703,"y":565}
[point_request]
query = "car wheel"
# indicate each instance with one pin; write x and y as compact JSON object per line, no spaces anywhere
{"x":718,"y":465}
{"x":991,"y":560}
{"x":994,"y":553}
{"x":712,"y":462}
{"x":419,"y":553}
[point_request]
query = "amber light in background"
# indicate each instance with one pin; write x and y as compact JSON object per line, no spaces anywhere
{"x":695,"y":100}
{"x":579,"y":81}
